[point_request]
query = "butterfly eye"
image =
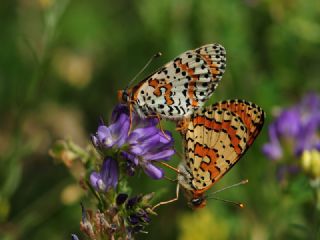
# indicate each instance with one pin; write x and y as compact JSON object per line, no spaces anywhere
{"x":196,"y":202}
{"x":125,"y":96}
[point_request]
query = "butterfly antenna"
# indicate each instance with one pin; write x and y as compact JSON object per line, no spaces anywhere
{"x":231,"y":186}
{"x":145,"y":66}
{"x":240,"y":205}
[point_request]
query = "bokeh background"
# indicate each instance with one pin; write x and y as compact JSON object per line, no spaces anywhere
{"x":62,"y":62}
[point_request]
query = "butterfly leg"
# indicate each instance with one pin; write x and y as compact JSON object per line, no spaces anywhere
{"x":169,"y":201}
{"x":169,"y":166}
{"x":130,"y":116}
{"x":170,"y":179}
{"x":161,"y":128}
{"x":160,"y":125}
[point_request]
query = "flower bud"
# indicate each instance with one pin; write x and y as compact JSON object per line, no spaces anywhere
{"x":121,"y":198}
{"x":310,"y":161}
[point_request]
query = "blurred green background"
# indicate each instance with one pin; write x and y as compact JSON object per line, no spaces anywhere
{"x":62,"y":62}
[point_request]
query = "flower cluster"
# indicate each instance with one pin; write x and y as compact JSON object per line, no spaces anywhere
{"x":298,"y":127}
{"x":127,"y":145}
{"x":137,"y":214}
{"x":120,"y":220}
{"x":119,"y":149}
{"x":295,"y":134}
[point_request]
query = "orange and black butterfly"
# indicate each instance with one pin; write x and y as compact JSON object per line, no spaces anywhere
{"x":215,"y":138}
{"x":180,"y":87}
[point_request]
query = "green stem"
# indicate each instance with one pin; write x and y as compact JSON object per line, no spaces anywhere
{"x":316,"y":224}
{"x":101,"y":204}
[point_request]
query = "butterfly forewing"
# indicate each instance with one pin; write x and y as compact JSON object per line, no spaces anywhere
{"x":216,"y":138}
{"x":182,"y":85}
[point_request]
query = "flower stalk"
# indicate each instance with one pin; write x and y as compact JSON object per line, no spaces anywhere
{"x":119,"y":155}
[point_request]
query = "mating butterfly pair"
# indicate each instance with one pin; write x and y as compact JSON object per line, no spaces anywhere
{"x":215,"y":137}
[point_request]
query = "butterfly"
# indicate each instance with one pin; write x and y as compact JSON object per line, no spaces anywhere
{"x":180,"y":87}
{"x":216,"y":137}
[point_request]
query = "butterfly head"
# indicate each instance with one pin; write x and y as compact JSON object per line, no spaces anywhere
{"x":123,"y":96}
{"x":195,"y":200}
{"x":198,"y":202}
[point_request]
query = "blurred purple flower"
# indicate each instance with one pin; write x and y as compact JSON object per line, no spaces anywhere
{"x":298,"y":125}
{"x":273,"y":148}
{"x":308,"y":137}
{"x":144,"y":145}
{"x":107,"y":177}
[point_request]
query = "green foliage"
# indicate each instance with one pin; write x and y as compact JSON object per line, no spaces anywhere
{"x":62,"y":62}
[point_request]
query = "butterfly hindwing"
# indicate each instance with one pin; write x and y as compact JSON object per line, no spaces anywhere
{"x":217,"y":137}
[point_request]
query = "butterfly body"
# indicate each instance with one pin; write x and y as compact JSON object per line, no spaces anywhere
{"x":215,"y":139}
{"x":180,"y":87}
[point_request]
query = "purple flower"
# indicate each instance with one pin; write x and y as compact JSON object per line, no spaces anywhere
{"x":289,"y":123}
{"x":132,"y":202}
{"x":295,"y":129}
{"x":116,"y":133}
{"x":142,"y":146}
{"x":273,"y":148}
{"x":143,"y":216}
{"x":149,"y":147}
{"x":286,"y":127}
{"x":308,"y":137}
{"x":138,"y":217}
{"x":107,"y":177}
{"x":133,"y":219}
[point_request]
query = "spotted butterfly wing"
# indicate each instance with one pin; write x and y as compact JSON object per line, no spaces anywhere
{"x":181,"y":86}
{"x":216,"y":138}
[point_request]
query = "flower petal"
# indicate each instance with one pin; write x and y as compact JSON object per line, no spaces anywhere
{"x":288,"y":123}
{"x":144,"y":122}
{"x":95,"y":141}
{"x":121,"y":110}
{"x":97,"y":182}
{"x":104,"y":136}
{"x":163,"y":155}
{"x":109,"y":172}
{"x":140,"y":134}
{"x":308,"y":137}
{"x":168,"y":139}
{"x":145,"y":145}
{"x":119,"y":131}
{"x":153,"y":171}
{"x":130,"y":157}
{"x":272,"y":150}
